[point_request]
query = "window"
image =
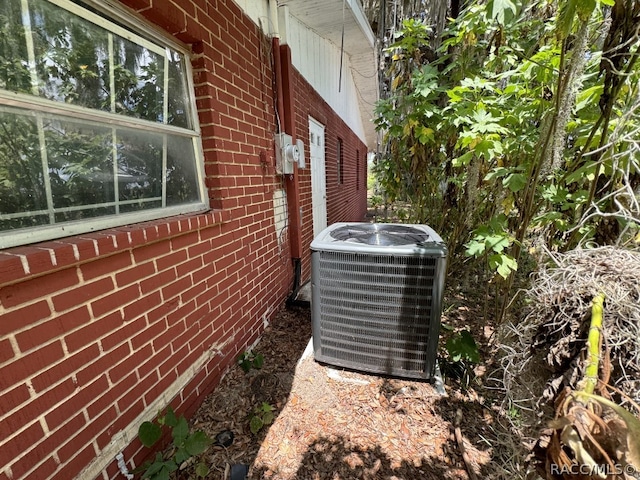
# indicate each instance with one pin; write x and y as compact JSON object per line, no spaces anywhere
{"x":357,"y":169}
{"x":97,"y":124}
{"x":340,"y":160}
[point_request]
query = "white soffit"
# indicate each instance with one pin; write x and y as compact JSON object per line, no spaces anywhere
{"x":325,"y":17}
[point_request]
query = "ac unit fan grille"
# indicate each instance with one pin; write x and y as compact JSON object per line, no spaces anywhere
{"x":376,"y":311}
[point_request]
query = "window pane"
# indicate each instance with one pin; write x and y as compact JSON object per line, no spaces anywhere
{"x":14,"y":71}
{"x":182,"y":180}
{"x":72,"y":57}
{"x":22,"y":187}
{"x":140,"y":168}
{"x":139,"y":81}
{"x":68,"y":216}
{"x":23,"y":222}
{"x":179,"y":111}
{"x":80,"y":165}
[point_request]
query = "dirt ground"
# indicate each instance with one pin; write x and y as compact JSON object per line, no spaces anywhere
{"x":336,"y":424}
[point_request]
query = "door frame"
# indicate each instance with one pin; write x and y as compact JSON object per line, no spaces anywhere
{"x":317,"y":162}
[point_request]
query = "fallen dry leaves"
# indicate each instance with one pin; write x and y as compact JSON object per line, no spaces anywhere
{"x":333,"y":424}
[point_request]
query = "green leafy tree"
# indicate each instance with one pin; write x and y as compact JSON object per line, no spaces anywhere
{"x":520,"y":129}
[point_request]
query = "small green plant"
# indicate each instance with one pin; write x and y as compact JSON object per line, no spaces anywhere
{"x":463,"y":353}
{"x":514,"y":415}
{"x":185,"y":446}
{"x":492,"y":242}
{"x":249,"y":360}
{"x":462,"y":347}
{"x":262,"y":415}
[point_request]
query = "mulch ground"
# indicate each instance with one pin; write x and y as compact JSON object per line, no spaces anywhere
{"x":336,"y":424}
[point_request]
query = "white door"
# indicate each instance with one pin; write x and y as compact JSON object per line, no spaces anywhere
{"x":318,"y":176}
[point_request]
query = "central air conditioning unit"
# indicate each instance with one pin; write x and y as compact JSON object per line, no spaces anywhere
{"x":376,"y":297}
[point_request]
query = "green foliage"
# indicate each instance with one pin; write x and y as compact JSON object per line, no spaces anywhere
{"x":185,"y":445}
{"x":491,"y":242}
{"x":262,"y":415}
{"x":516,"y":129}
{"x":501,"y":10}
{"x":249,"y":360}
{"x":462,"y":347}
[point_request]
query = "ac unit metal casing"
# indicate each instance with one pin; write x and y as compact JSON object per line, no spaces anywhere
{"x":376,"y":297}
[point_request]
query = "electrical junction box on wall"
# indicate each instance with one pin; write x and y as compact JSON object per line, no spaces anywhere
{"x":301,"y":161}
{"x":286,"y":153}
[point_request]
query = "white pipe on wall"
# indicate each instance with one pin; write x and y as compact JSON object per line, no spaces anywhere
{"x":273,"y":19}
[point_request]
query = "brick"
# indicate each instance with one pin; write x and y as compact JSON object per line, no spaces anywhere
{"x":116,"y":300}
{"x":83,"y":437}
{"x":155,"y":328}
{"x":11,"y":268}
{"x":59,"y":436}
{"x":27,"y":365}
{"x":6,"y":351}
{"x":21,"y":469}
{"x":137,"y":4}
{"x":65,"y":368}
{"x":83,"y":294}
{"x":187,"y":267}
{"x":135,"y":274}
{"x":160,"y":387}
{"x":39,"y":260}
{"x":167,"y":337}
{"x":137,"y":392}
{"x":201,"y":340}
{"x":225,"y":262}
{"x":167,"y":16}
{"x":178,"y":315}
{"x":148,"y":365}
{"x":13,"y":398}
{"x":137,"y":453}
{"x":186,"y":361}
{"x":129,"y":364}
{"x":127,"y":416}
{"x":103,"y":424}
{"x":123,"y":334}
{"x":31,"y":411}
{"x":16,"y":446}
{"x":105,"y":266}
{"x":150,"y":252}
{"x":184,"y":241}
{"x":104,"y":243}
{"x":93,"y":331}
{"x":51,"y":329}
{"x":162,"y":310}
{"x":106,"y":398}
{"x":75,"y":466}
{"x":193,"y":292}
{"x":14,"y":295}
{"x":262,"y":279}
{"x":82,"y":398}
{"x":204,"y":273}
{"x":169,"y":261}
{"x":175,"y":288}
{"x":157,"y":281}
{"x":102,"y":364}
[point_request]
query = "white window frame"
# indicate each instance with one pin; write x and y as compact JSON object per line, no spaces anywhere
{"x":149,"y":35}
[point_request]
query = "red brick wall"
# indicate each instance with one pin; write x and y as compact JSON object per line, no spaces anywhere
{"x":104,"y":323}
{"x":347,"y":201}
{"x":95,"y":328}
